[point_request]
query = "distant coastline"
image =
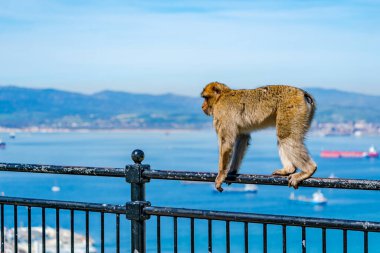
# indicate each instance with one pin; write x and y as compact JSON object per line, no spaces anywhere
{"x":91,"y":130}
{"x":49,"y":110}
{"x":357,"y":129}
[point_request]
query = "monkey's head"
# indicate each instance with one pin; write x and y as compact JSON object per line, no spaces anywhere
{"x":211,"y":94}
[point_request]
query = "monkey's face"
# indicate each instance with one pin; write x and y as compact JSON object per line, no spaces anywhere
{"x":211,"y":94}
{"x":209,"y":100}
{"x":206,"y":107}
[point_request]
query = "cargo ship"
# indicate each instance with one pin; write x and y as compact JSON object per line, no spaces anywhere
{"x":371,"y":153}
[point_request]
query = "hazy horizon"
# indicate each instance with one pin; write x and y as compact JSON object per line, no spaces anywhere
{"x":163,"y":93}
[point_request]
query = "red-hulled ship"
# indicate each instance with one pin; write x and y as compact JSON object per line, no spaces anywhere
{"x":371,"y":153}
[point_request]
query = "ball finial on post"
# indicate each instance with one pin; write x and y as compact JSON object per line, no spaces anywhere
{"x":137,"y":156}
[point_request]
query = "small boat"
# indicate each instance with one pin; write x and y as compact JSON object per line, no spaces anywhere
{"x":371,"y":153}
{"x":12,"y":135}
{"x":2,"y":144}
{"x":317,"y":198}
{"x":55,"y":188}
{"x":248,"y":188}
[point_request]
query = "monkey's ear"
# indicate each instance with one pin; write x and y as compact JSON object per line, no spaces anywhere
{"x":216,"y":89}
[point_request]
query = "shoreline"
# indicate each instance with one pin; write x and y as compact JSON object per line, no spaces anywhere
{"x":84,"y":130}
{"x":315,"y":133}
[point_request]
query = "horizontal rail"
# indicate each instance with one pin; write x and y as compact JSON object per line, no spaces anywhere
{"x":68,"y":170}
{"x":340,"y":183}
{"x":70,"y":205}
{"x":265,"y":219}
{"x":200,"y":214}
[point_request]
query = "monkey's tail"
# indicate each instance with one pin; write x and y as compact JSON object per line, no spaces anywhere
{"x":311,"y":101}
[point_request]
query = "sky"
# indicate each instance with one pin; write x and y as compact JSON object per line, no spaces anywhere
{"x":179,"y":46}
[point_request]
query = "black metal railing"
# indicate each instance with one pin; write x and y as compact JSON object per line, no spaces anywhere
{"x":138,"y":210}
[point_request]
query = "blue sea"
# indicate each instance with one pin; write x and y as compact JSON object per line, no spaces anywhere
{"x":191,"y":151}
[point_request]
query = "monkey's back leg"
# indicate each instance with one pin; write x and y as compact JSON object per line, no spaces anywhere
{"x":284,"y":132}
{"x":292,"y":126}
{"x":287,"y":166}
{"x":298,"y":155}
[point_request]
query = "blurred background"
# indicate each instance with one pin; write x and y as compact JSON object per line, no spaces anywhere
{"x":86,"y":82}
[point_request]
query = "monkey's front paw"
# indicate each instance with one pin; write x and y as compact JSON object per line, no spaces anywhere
{"x":218,"y":187}
{"x":293,"y":181}
{"x":219,"y":181}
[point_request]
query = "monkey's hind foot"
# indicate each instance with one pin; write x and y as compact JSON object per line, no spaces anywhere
{"x":282,"y":172}
{"x":295,"y":179}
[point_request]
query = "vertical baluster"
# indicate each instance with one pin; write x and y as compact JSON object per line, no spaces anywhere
{"x":57,"y":229}
{"x":102,"y":232}
{"x":265,"y":238}
{"x":29,"y":230}
{"x":15,"y":229}
{"x":158,"y":234}
{"x":192,"y":235}
{"x":87,"y":232}
{"x":72,"y":229}
{"x":228,"y":237}
{"x":133,"y":176}
{"x":175,"y":235}
{"x":303,"y":240}
{"x":246,"y":237}
{"x":43,"y":230}
{"x":2,"y":228}
{"x":209,"y":235}
{"x":284,"y":238}
{"x":324,"y":240}
{"x":365,"y":242}
{"x":344,"y":240}
{"x":118,"y":233}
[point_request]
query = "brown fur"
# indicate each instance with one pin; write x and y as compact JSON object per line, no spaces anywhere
{"x":236,"y":113}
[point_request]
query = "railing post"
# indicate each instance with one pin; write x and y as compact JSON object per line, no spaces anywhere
{"x":133,"y":175}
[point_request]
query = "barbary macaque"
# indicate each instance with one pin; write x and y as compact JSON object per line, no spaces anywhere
{"x":236,"y":113}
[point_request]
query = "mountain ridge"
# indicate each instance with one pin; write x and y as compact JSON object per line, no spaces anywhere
{"x":25,"y":107}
